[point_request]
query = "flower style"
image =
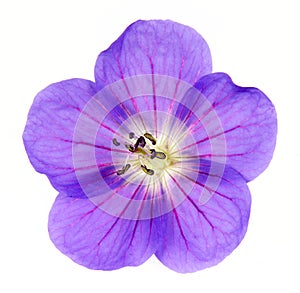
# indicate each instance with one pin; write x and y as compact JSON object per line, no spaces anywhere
{"x":154,"y":156}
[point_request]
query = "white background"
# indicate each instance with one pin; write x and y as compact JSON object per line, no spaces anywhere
{"x":256,"y":42}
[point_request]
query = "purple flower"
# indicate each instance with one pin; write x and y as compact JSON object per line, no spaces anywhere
{"x":152,"y":158}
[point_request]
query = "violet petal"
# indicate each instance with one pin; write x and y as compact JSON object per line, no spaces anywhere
{"x":243,"y":118}
{"x":155,"y":47}
{"x":49,"y":131}
{"x":97,"y":240}
{"x":198,"y":236}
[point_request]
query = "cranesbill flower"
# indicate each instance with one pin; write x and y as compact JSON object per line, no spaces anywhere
{"x":154,"y":156}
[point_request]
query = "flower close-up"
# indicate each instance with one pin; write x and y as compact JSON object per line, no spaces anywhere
{"x":154,"y":156}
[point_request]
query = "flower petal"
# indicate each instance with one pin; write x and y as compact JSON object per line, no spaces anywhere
{"x":198,"y":236}
{"x":155,"y":47}
{"x":244,"y":116}
{"x":49,"y":131}
{"x":96,"y":240}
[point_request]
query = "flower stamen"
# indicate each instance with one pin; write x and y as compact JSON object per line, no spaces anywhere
{"x":146,"y":156}
{"x":140,"y":142}
{"x":124,"y":169}
{"x":130,"y":147}
{"x":131,"y":135}
{"x":115,"y":142}
{"x":146,"y":170}
{"x":150,"y":137}
{"x":158,"y":155}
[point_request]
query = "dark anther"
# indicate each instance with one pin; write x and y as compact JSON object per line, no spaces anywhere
{"x":131,"y":135}
{"x":115,"y":142}
{"x":146,"y":170}
{"x":120,"y":172}
{"x":153,"y":154}
{"x":140,"y":142}
{"x":150,"y":137}
{"x":124,"y":169}
{"x":130,"y":147}
{"x":158,"y":155}
{"x":127,"y":166}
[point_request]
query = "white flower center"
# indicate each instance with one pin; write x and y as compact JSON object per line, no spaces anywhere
{"x":156,"y":156}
